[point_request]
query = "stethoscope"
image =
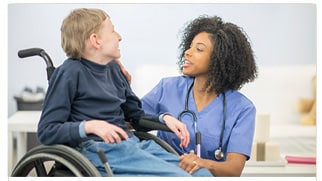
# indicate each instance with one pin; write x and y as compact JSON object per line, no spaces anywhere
{"x":218,"y":153}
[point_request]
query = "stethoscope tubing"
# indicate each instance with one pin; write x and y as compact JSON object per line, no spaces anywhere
{"x":197,"y":133}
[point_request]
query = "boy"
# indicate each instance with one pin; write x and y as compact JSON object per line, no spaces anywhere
{"x":89,"y":99}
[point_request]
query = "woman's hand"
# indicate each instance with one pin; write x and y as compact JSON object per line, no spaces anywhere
{"x":178,"y":128}
{"x":190,"y":162}
{"x":231,"y":167}
{"x":108,"y":132}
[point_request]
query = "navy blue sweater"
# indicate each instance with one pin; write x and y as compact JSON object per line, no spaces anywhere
{"x":83,"y":90}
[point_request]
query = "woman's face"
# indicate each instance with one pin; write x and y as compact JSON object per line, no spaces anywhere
{"x":197,"y":57}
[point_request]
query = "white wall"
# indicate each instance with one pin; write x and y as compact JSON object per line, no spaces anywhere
{"x":281,"y":34}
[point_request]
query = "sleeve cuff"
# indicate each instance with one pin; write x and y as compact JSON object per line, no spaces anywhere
{"x":81,"y":130}
{"x":161,"y":117}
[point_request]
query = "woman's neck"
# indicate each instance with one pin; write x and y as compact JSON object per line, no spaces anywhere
{"x":201,"y":94}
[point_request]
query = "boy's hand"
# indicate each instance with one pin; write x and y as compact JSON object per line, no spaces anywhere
{"x":108,"y":132}
{"x":178,"y":128}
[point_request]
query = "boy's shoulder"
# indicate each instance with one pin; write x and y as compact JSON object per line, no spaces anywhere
{"x":70,"y":62}
{"x":69,"y":66}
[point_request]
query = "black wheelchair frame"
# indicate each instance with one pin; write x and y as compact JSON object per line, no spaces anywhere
{"x":61,"y":160}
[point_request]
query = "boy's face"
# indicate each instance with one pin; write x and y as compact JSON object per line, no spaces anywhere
{"x":109,"y":40}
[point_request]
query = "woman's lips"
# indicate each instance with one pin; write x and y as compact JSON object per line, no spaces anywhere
{"x":186,"y":63}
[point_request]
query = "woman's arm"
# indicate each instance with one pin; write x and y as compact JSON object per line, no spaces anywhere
{"x":232,"y":167}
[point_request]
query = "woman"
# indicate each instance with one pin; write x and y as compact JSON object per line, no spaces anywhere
{"x":216,"y":60}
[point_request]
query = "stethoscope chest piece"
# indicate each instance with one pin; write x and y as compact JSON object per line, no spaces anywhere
{"x":219,"y":154}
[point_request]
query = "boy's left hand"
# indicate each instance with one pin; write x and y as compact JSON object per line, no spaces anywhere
{"x":179,"y":128}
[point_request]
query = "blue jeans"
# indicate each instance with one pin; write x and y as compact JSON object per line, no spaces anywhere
{"x":133,"y":157}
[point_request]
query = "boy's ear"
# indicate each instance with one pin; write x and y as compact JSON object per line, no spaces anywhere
{"x":94,"y":41}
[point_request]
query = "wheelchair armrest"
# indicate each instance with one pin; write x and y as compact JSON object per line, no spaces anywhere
{"x":147,"y":125}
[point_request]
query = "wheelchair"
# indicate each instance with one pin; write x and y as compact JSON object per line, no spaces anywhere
{"x":63,"y":161}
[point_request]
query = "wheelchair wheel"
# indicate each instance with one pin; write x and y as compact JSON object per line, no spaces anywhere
{"x":149,"y":136}
{"x":55,"y":160}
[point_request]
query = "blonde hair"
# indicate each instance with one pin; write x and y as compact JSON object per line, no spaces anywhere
{"x":77,"y":27}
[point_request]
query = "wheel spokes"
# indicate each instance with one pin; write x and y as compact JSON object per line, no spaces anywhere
{"x":40,"y":168}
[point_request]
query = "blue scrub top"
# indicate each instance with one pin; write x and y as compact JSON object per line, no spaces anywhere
{"x":169,"y":95}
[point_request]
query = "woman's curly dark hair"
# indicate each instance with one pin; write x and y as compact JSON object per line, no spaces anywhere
{"x":232,"y":61}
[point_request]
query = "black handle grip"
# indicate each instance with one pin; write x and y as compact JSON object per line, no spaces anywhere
{"x":40,"y":52}
{"x":102,"y":156}
{"x":104,"y":161}
{"x":147,"y":125}
{"x":198,"y":138}
{"x":29,"y":52}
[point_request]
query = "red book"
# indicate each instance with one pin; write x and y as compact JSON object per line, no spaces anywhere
{"x":301,"y":159}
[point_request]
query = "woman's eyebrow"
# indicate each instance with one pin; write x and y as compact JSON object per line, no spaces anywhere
{"x":200,"y":43}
